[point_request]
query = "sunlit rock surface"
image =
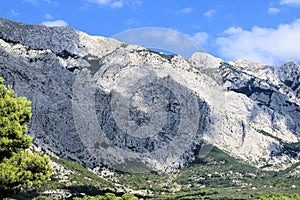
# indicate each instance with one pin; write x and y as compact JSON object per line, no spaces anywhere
{"x":100,"y":101}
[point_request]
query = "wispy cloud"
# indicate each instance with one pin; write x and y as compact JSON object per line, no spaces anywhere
{"x":290,"y":2}
{"x":55,"y":23}
{"x":117,"y":4}
{"x":201,"y":38}
{"x":164,"y":39}
{"x":36,"y":2}
{"x":273,"y":11}
{"x":55,"y":3}
{"x":210,"y":13}
{"x":264,"y":45}
{"x":100,"y":2}
{"x":114,"y":4}
{"x":110,"y":3}
{"x":186,"y":10}
{"x":14,"y":13}
{"x":131,"y":22}
{"x":48,"y":16}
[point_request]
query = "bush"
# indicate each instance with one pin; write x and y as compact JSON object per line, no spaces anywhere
{"x":19,"y":168}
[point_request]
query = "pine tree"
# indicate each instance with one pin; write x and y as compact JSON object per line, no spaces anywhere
{"x":19,"y":167}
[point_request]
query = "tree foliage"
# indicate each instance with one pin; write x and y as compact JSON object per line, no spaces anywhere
{"x":280,"y":197}
{"x":19,"y":168}
{"x":108,"y":196}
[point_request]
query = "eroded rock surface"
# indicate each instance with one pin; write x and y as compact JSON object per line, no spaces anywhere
{"x":97,"y":100}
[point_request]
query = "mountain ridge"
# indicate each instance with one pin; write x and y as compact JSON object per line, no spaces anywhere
{"x":248,"y":110}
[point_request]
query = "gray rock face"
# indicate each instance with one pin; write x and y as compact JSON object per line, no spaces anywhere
{"x":100,"y":101}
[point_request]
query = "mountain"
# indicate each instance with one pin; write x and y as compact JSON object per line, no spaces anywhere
{"x":102,"y":102}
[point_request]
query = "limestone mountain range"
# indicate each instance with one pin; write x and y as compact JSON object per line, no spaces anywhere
{"x":85,"y":87}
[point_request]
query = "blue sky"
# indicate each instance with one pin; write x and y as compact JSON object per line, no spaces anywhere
{"x":258,"y":30}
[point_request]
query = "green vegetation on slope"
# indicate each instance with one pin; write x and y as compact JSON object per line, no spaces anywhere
{"x":217,"y":176}
{"x":19,"y":168}
{"x":107,"y":196}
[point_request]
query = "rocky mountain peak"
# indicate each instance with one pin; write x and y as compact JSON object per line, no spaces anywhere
{"x":101,"y":101}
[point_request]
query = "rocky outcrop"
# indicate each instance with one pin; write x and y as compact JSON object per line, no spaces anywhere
{"x":100,"y":101}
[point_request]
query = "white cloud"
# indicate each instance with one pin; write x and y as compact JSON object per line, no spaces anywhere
{"x":200,"y":37}
{"x":48,"y":16}
{"x":290,"y":2}
{"x":210,"y":13}
{"x":55,"y":23}
{"x":273,"y":11}
{"x":131,"y":22}
{"x":163,"y":39}
{"x":101,"y":2}
{"x":34,"y":2}
{"x":117,"y":4}
{"x":186,"y":10}
{"x":55,"y":3}
{"x":264,"y":45}
{"x":112,"y":4}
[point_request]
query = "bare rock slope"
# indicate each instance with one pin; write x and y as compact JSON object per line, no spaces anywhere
{"x":98,"y":100}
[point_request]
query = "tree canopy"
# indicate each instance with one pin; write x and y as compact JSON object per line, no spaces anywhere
{"x":19,"y":167}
